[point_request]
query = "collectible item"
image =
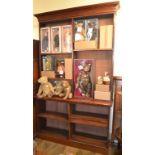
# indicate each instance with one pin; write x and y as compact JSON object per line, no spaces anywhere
{"x":45,"y":39}
{"x":60,"y":68}
{"x":79,"y":30}
{"x":48,"y":62}
{"x":82,"y":77}
{"x":45,"y":88}
{"x":106,"y":79}
{"x":67,"y":38}
{"x":56,"y":39}
{"x":100,"y":80}
{"x":63,"y":89}
{"x":92,"y":29}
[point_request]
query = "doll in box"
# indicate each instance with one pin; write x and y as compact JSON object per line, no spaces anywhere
{"x":84,"y":83}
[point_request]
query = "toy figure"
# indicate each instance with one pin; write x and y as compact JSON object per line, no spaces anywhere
{"x":45,"y":88}
{"x":79,"y":32}
{"x":67,"y":41}
{"x":91,"y":31}
{"x":83,"y":80}
{"x":63,"y":89}
{"x":106,"y":79}
{"x":60,"y":68}
{"x":45,"y":41}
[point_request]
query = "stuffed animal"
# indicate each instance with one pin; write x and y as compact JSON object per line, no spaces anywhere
{"x":84,"y":83}
{"x":63,"y":89}
{"x":58,"y":89}
{"x":67,"y":90}
{"x":45,"y":88}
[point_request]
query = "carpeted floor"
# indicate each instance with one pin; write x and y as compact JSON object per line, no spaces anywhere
{"x":44,"y":147}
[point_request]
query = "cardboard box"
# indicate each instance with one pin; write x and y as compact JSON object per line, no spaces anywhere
{"x":92,"y":44}
{"x":102,"y":87}
{"x":68,"y":68}
{"x":49,"y":74}
{"x":106,"y":36}
{"x":102,"y":95}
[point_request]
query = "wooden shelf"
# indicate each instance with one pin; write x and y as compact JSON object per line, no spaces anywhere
{"x":79,"y":101}
{"x":91,"y":114}
{"x":53,"y":132}
{"x":61,"y":53}
{"x":90,"y":139}
{"x":90,"y":126}
{"x":79,"y":119}
{"x":93,"y":50}
{"x":53,"y":115}
{"x":58,"y":79}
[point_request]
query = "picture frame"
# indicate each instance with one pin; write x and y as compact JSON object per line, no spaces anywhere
{"x":67,"y":39}
{"x":56,"y":39}
{"x":45,"y":39}
{"x":83,"y":78}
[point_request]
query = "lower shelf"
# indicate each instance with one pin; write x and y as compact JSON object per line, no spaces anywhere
{"x":89,"y":139}
{"x":61,"y":137}
{"x":53,"y":132}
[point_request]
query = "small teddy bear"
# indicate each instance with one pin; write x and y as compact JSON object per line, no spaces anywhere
{"x":45,"y":88}
{"x":63,"y":89}
{"x":67,"y":90}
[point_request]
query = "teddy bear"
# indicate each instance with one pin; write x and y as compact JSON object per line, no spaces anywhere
{"x":45,"y":88}
{"x":63,"y":89}
{"x":84,"y":83}
{"x":67,"y":90}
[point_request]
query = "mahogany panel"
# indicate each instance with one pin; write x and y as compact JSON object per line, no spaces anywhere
{"x":76,"y":12}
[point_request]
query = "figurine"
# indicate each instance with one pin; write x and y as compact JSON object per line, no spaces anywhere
{"x":45,"y":88}
{"x":80,"y":32}
{"x":67,"y":90}
{"x":83,"y":80}
{"x":100,"y":80}
{"x":106,"y":79}
{"x":58,"y":88}
{"x":63,"y":89}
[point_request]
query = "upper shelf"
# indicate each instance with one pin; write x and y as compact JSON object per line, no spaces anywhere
{"x":77,"y":12}
{"x":106,"y":49}
{"x":80,"y":101}
{"x":56,"y":53}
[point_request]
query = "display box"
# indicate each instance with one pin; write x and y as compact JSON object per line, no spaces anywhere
{"x":102,"y":95}
{"x":49,"y":74}
{"x":66,"y":38}
{"x":92,"y":44}
{"x":68,"y":68}
{"x":102,"y":87}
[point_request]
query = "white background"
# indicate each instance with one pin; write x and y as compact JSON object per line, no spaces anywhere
{"x":16,"y":66}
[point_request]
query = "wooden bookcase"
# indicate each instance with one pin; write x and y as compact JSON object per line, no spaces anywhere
{"x":79,"y":122}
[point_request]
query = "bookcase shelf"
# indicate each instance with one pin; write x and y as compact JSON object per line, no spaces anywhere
{"x":53,"y":115}
{"x":89,"y":120}
{"x":78,"y":121}
{"x":79,"y":101}
{"x":56,"y":53}
{"x":93,"y":50}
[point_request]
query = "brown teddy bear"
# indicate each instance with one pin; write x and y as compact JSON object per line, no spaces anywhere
{"x":45,"y":88}
{"x":63,"y":89}
{"x":67,"y":89}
